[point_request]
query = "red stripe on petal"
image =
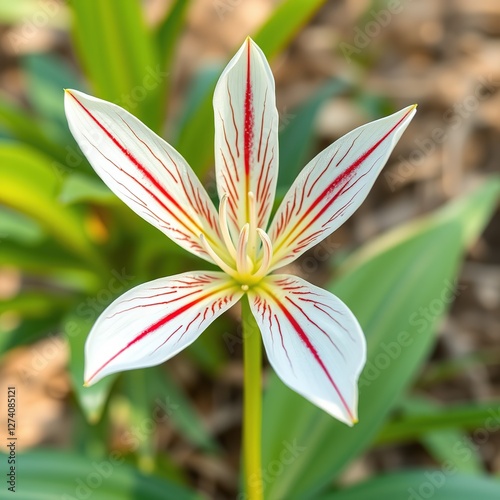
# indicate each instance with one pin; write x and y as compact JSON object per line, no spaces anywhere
{"x":154,"y":327}
{"x":249,"y":117}
{"x":305,"y":339}
{"x":137,"y":164}
{"x":350,"y":170}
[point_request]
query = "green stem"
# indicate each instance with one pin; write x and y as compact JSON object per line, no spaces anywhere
{"x":252,"y":411}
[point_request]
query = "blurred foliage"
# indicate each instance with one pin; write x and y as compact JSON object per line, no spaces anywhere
{"x":61,"y":225}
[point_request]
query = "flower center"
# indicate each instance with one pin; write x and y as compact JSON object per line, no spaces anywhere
{"x":249,"y":254}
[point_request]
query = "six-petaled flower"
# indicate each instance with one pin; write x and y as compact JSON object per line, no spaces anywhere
{"x":312,"y":339}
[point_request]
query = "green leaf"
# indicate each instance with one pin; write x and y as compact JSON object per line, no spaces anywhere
{"x":49,"y":260}
{"x":27,"y":332}
{"x":196,"y":139}
{"x":49,"y":474}
{"x":30,"y":185}
{"x":79,"y":188}
{"x":167,"y":40}
{"x":297,"y":136}
{"x":29,"y":130}
{"x":119,"y":56}
{"x":386,"y":284}
{"x":450,"y":444}
{"x":34,"y":304}
{"x":16,"y":227}
{"x":46,"y":76}
{"x":76,"y":327}
{"x":416,"y":424}
{"x":441,"y":484}
{"x":284,"y":23}
{"x":182,"y":412}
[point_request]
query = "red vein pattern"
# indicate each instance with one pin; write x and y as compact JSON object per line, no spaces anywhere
{"x":246,"y":136}
{"x":141,"y":168}
{"x":332,"y":186}
{"x":312,"y":340}
{"x":152,"y":322}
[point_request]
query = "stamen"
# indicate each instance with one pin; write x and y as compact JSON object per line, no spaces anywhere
{"x":252,"y":221}
{"x":267,"y":254}
{"x":227,"y":269}
{"x":243,"y":262}
{"x":224,"y":227}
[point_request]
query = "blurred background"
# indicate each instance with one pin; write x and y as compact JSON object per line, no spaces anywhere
{"x":68,"y":247}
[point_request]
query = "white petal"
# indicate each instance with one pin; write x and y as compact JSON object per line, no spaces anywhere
{"x":154,"y":321}
{"x":313,"y":342}
{"x":246,"y":135}
{"x":333,"y":185}
{"x":148,"y":174}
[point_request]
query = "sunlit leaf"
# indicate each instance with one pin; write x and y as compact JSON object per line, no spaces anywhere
{"x":384,"y":286}
{"x":118,"y":54}
{"x":30,"y":185}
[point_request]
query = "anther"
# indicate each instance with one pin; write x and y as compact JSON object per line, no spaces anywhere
{"x":223,"y":223}
{"x":243,"y":262}
{"x":267,"y":254}
{"x":217,"y":260}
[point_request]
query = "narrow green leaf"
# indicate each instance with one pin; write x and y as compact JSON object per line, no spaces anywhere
{"x":467,"y":417}
{"x":29,"y":130}
{"x":76,"y":327}
{"x":46,"y":76}
{"x":441,"y":484}
{"x":18,"y":228}
{"x":48,"y":474}
{"x":118,"y":54}
{"x":450,"y":445}
{"x":30,"y":185}
{"x":167,"y":39}
{"x":177,"y":407}
{"x":34,"y":304}
{"x":27,"y":332}
{"x":79,"y":188}
{"x":297,"y":136}
{"x":384,"y":287}
{"x":284,"y":23}
{"x":50,"y":261}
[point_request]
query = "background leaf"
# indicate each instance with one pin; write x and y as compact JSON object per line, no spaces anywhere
{"x":384,"y":287}
{"x":80,"y":477}
{"x":416,"y":485}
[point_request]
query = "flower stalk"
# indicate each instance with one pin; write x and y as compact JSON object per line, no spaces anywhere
{"x":252,"y":404}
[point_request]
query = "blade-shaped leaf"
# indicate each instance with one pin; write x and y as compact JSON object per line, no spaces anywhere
{"x":30,"y":130}
{"x":383,"y":285}
{"x":442,"y":484}
{"x":30,"y":185}
{"x":297,"y":134}
{"x":167,"y":39}
{"x":416,"y":424}
{"x":46,"y":76}
{"x":450,"y":444}
{"x":118,"y":54}
{"x":76,"y":327}
{"x":49,"y":474}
